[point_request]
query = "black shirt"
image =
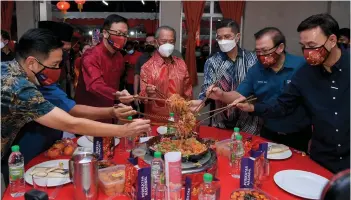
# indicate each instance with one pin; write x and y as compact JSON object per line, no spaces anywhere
{"x":7,"y":57}
{"x":141,"y":61}
{"x":326,"y":96}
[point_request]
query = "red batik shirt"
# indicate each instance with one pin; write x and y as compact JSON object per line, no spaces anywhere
{"x":131,"y":60}
{"x":99,"y":77}
{"x":169,"y":77}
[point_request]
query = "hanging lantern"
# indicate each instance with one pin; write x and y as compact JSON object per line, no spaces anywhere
{"x":80,"y":4}
{"x":63,"y":6}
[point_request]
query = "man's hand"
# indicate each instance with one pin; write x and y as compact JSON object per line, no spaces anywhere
{"x":137,"y":127}
{"x":194,"y":104}
{"x":124,"y":96}
{"x":123,"y":111}
{"x":151,"y":90}
{"x":246,"y":107}
{"x":214,"y":93}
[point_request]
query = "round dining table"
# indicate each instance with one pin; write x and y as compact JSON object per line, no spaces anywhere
{"x":298,"y":161}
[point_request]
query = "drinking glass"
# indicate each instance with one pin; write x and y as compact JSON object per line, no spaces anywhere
{"x":40,"y":182}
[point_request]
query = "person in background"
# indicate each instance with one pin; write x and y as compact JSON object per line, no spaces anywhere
{"x":130,"y":61}
{"x":167,"y":73}
{"x":65,"y":32}
{"x":323,"y":88}
{"x":344,"y":38}
{"x":204,"y":54}
{"x":77,"y":62}
{"x":103,"y":66}
{"x":266,"y":80}
{"x":38,"y":55}
{"x":228,"y":69}
{"x":6,"y":53}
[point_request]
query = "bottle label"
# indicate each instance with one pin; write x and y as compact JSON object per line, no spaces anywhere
{"x":16,"y":173}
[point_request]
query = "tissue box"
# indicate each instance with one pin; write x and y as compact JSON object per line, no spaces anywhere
{"x":138,"y":181}
{"x":104,"y":147}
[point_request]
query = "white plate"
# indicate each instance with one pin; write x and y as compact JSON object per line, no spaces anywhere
{"x":85,"y":142}
{"x":301,"y":183}
{"x":51,"y":181}
{"x":279,"y":156}
{"x":162,"y":130}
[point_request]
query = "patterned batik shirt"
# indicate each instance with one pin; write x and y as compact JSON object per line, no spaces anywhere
{"x":230,"y":74}
{"x":21,"y":102}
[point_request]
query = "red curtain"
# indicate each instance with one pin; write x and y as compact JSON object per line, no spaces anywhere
{"x":232,"y":9}
{"x":6,"y":15}
{"x":193,"y":12}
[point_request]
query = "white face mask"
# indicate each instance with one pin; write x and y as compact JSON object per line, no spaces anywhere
{"x":2,"y":44}
{"x":227,"y":45}
{"x":166,"y":49}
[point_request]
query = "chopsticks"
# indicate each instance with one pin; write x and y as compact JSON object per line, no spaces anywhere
{"x":148,"y":98}
{"x":220,"y":110}
{"x":156,"y":90}
{"x":205,"y":99}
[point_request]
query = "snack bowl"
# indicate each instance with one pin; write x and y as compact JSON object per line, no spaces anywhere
{"x":250,"y":194}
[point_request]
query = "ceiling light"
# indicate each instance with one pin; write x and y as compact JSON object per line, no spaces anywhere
{"x":105,"y":3}
{"x":90,"y":32}
{"x":142,"y":1}
{"x":132,"y":33}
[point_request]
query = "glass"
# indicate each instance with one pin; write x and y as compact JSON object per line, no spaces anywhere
{"x":207,"y":8}
{"x":117,"y":33}
{"x":40,"y":182}
{"x":265,"y":52}
{"x":216,"y":7}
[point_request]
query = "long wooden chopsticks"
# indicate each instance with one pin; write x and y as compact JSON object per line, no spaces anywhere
{"x":198,"y":108}
{"x":220,"y":110}
{"x":156,"y":90}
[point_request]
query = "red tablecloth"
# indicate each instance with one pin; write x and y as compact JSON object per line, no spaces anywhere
{"x":228,"y":184}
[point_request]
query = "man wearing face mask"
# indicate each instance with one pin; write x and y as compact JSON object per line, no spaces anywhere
{"x":228,"y":69}
{"x":130,"y":60}
{"x":103,"y":66}
{"x":344,"y":38}
{"x":6,"y":53}
{"x":38,"y":55}
{"x":323,"y":88}
{"x":266,"y":80}
{"x":165,"y":72}
{"x":65,"y":32}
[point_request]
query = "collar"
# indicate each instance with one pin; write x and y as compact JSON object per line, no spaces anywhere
{"x":226,"y":57}
{"x":338,"y":65}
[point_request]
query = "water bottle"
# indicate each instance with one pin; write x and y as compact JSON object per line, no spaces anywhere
{"x":236,"y":155}
{"x":170,"y":128}
{"x":129,"y":141}
{"x":16,"y":172}
{"x":208,"y":191}
{"x":157,"y":172}
{"x":236,"y":132}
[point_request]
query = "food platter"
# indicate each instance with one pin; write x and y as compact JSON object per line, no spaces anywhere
{"x":154,"y":142}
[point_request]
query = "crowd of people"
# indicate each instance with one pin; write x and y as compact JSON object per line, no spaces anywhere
{"x":50,"y":85}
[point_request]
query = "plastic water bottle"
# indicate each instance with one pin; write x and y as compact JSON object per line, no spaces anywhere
{"x":157,"y":172}
{"x":16,"y":172}
{"x":236,"y":132}
{"x":236,"y":155}
{"x":208,"y":191}
{"x":129,"y":141}
{"x":170,"y":128}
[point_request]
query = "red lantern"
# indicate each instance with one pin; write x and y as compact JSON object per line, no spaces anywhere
{"x":63,"y":6}
{"x":80,"y":4}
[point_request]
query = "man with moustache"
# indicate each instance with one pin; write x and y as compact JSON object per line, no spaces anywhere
{"x":322,"y":86}
{"x":103,"y":65}
{"x":266,"y":80}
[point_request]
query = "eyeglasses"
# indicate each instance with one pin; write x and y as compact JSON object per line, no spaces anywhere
{"x":58,"y":67}
{"x":117,"y":33}
{"x":265,"y":52}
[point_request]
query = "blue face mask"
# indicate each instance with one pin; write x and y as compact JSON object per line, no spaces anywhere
{"x":130,"y":52}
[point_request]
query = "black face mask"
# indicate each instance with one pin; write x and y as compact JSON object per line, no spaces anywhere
{"x":205,"y":53}
{"x":149,"y":48}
